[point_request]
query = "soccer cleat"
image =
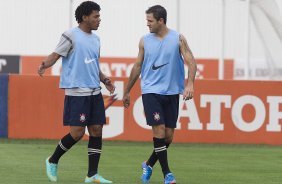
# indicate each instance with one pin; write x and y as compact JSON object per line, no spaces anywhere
{"x":96,"y":179}
{"x":51,"y":170}
{"x":147,"y":172}
{"x":169,"y":179}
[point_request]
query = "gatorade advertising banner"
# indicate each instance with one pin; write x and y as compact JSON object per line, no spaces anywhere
{"x":225,"y":111}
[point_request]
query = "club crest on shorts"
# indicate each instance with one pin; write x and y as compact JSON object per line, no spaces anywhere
{"x":157,"y":116}
{"x":82,"y":118}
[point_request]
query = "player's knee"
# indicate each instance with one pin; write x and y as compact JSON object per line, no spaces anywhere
{"x":168,"y":139}
{"x":77,"y":135}
{"x":95,"y":131}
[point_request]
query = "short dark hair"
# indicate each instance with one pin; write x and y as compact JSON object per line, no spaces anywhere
{"x":158,"y":12}
{"x":85,"y":9}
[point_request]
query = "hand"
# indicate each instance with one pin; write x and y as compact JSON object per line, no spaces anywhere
{"x":41,"y":69}
{"x":109,"y":85}
{"x":188,"y":92}
{"x":126,"y":100}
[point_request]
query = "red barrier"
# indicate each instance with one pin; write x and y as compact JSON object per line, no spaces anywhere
{"x":245,"y":112}
{"x":30,"y":64}
{"x":35,"y":107}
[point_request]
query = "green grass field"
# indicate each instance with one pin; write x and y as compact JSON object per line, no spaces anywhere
{"x":22,"y":161}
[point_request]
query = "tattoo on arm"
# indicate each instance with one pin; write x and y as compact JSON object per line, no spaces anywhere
{"x":188,"y":56}
{"x":185,"y":47}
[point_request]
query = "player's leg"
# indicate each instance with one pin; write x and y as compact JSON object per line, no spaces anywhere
{"x":169,"y":177}
{"x":160,"y":147}
{"x":75,"y":134}
{"x":95,"y":127}
{"x":168,"y":139}
{"x":63,"y":146}
{"x":75,"y":116}
{"x":94,"y":153}
{"x":94,"y":148}
{"x":154,"y":116}
{"x":72,"y":118}
{"x":171,"y":115}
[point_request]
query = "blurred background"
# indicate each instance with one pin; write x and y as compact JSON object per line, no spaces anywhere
{"x":247,"y":33}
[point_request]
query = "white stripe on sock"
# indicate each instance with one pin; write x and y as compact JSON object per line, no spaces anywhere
{"x":160,"y":149}
{"x":62,"y":146}
{"x":92,"y":151}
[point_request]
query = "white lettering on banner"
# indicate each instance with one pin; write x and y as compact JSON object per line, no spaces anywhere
{"x":215,"y":109}
{"x":116,"y":122}
{"x":237,"y":113}
{"x":3,"y":62}
{"x":274,"y":114}
{"x":118,"y":68}
{"x":138,"y":114}
{"x":128,"y":70}
{"x":191,"y":112}
{"x":200,"y":70}
{"x":105,"y":68}
{"x":188,"y":109}
{"x":115,"y":114}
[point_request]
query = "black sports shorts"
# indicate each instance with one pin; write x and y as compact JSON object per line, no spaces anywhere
{"x":161,"y":109}
{"x":84,"y":110}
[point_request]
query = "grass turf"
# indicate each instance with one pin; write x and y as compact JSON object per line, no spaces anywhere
{"x":23,"y":161}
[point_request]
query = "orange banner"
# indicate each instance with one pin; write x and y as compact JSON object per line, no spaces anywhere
{"x":121,"y":67}
{"x":30,"y":64}
{"x":244,"y":112}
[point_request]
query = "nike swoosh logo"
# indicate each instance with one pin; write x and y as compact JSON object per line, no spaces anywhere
{"x":157,"y":67}
{"x":87,"y":61}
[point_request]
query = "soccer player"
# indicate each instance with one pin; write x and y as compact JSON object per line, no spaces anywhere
{"x":160,"y":63}
{"x":79,"y":48}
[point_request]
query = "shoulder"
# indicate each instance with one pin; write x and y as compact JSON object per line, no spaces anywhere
{"x":149,"y":35}
{"x":141,"y":42}
{"x":174,"y":32}
{"x":70,"y":31}
{"x":69,"y":34}
{"x":174,"y":35}
{"x":182,"y":38}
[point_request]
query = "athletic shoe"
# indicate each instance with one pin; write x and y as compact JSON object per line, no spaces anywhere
{"x":96,"y":179}
{"x":51,"y":170}
{"x":169,"y":179}
{"x":147,"y":173}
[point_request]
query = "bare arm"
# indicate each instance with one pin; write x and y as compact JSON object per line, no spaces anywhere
{"x":192,"y":67}
{"x":134,"y":75}
{"x":102,"y":76}
{"x":107,"y":82}
{"x":48,"y":62}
